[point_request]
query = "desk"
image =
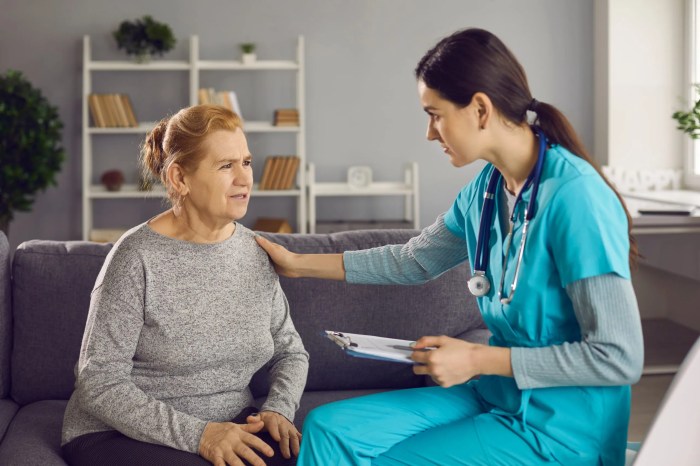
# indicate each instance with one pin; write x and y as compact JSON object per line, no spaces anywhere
{"x":666,"y":283}
{"x":664,"y":224}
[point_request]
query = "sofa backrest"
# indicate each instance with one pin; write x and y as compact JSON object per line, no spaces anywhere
{"x":5,"y":316}
{"x":439,"y":307}
{"x":51,"y":286}
{"x":52,"y":282}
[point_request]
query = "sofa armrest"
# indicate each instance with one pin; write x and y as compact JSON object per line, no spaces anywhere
{"x":8,"y":409}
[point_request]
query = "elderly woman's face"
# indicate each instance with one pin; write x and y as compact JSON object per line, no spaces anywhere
{"x":220,"y":187}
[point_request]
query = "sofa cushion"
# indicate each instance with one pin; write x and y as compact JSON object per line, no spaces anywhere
{"x":5,"y":316}
{"x":34,"y":436}
{"x":8,"y":408}
{"x":440,"y":307}
{"x":51,"y":287}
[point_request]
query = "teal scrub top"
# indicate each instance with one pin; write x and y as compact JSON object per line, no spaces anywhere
{"x":579,"y":230}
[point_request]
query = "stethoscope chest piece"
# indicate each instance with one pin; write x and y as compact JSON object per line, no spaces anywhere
{"x":479,"y":285}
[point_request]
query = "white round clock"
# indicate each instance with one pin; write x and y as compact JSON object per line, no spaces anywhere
{"x":359,"y":176}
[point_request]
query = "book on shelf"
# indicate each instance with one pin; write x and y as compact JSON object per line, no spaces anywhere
{"x":272,"y":225}
{"x":279,"y":172}
{"x":265,"y":177}
{"x":227,"y":99}
{"x":276,"y":173}
{"x":111,"y":111}
{"x":286,"y":117}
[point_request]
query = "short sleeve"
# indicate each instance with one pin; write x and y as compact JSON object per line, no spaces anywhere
{"x":454,"y":217}
{"x":588,"y":230}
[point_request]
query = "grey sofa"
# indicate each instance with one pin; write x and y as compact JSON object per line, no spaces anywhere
{"x":44,"y":298}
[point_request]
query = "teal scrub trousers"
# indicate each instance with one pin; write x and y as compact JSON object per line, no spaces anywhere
{"x":414,"y":427}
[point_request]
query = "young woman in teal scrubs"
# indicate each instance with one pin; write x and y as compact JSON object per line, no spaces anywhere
{"x":554,"y":385}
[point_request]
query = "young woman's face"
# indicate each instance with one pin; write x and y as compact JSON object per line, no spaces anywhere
{"x":220,"y":186}
{"x":456,"y":129}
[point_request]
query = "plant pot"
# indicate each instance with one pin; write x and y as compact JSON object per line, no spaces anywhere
{"x":248,"y":58}
{"x":142,"y":58}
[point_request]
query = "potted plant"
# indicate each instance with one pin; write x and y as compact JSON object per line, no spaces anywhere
{"x":689,"y":121}
{"x":112,"y":180}
{"x":248,"y":49}
{"x":30,"y":145}
{"x":144,"y":38}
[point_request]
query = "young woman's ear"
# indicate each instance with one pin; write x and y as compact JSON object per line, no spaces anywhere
{"x":483,"y":107}
{"x":176,"y":179}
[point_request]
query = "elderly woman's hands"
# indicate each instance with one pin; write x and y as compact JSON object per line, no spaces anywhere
{"x":281,"y":431}
{"x":225,"y":443}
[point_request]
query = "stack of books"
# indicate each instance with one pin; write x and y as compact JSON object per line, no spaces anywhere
{"x":279,"y":172}
{"x":112,"y":111}
{"x":272,"y":225}
{"x":286,"y":117}
{"x":226,"y":99}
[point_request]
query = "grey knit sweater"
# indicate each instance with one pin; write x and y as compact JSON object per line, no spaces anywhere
{"x":174,"y":334}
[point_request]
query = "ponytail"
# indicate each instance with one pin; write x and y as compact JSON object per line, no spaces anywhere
{"x":559,"y":130}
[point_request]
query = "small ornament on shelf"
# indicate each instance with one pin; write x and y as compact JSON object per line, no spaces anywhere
{"x":359,"y":176}
{"x":248,"y":57}
{"x":112,"y":180}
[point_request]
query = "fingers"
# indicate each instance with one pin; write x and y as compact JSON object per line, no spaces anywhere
{"x":296,"y":443}
{"x":259,"y":444}
{"x":282,"y":431}
{"x":254,"y":419}
{"x":252,"y":427}
{"x":433,"y":341}
{"x":245,"y":452}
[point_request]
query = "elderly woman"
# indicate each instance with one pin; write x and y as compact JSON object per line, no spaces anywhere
{"x":185,"y":310}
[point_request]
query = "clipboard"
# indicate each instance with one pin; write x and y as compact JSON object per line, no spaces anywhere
{"x":371,"y":347}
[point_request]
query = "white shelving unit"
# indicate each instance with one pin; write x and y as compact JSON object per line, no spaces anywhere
{"x":92,"y":191}
{"x":408,"y":188}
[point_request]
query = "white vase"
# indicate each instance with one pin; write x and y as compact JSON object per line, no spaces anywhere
{"x":248,"y":58}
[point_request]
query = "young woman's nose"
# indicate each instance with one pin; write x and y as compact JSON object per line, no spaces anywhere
{"x":432,"y":133}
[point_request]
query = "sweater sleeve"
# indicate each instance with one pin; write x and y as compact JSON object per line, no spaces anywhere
{"x":422,"y":258}
{"x":104,"y":386}
{"x":611,"y":350}
{"x":290,"y":361}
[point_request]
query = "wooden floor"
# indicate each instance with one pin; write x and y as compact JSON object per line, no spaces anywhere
{"x":665,"y":345}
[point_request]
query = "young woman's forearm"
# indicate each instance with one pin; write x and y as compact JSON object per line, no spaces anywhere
{"x":329,"y":266}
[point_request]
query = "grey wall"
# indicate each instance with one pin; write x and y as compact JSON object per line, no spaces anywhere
{"x":362,"y":106}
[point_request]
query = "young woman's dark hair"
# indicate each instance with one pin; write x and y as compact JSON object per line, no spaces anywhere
{"x":474,"y":60}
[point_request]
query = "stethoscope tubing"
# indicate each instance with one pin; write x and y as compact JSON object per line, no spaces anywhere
{"x":486,"y":220}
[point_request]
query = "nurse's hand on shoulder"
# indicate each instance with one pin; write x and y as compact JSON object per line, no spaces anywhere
{"x":281,"y":430}
{"x":281,"y":257}
{"x":455,"y":361}
{"x":225,"y":443}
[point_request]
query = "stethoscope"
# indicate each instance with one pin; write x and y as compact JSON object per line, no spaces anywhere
{"x":479,"y":284}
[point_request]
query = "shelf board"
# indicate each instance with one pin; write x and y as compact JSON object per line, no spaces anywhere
{"x":275,"y":192}
{"x":267,"y":127}
{"x":223,"y":65}
{"x":374,"y":189}
{"x":142,"y":128}
{"x":248,"y":127}
{"x":127,"y":191}
{"x":125,"y":65}
{"x":130,"y":191}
